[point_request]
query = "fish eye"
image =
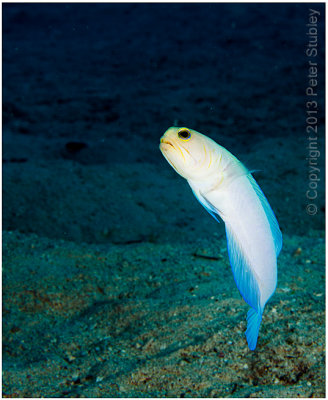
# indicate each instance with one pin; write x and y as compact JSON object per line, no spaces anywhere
{"x":184,"y":134}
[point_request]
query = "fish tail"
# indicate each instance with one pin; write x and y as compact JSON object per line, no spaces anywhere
{"x":254,"y":319}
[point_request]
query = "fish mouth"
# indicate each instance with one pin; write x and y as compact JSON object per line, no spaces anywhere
{"x":163,"y":141}
{"x":166,"y":146}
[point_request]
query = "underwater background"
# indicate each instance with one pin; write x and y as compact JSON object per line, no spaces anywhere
{"x":116,"y":282}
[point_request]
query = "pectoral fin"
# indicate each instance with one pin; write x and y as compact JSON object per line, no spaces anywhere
{"x":207,"y":205}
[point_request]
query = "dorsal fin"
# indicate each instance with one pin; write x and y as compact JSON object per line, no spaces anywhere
{"x":275,"y":230}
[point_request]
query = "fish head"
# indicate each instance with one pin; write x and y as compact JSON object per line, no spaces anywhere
{"x":189,"y":152}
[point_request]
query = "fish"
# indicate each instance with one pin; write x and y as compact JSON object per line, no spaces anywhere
{"x":228,"y":191}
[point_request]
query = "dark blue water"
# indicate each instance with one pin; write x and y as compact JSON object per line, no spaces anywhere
{"x":98,"y":84}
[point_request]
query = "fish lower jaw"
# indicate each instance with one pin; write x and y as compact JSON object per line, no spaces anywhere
{"x":165,"y":142}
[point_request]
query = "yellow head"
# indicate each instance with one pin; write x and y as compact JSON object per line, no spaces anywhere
{"x":193,"y":155}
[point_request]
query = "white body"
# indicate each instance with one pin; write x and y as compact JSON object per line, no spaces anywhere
{"x":241,"y":210}
{"x":227,"y":189}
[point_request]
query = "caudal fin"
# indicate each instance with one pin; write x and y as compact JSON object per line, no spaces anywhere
{"x":254,"y":319}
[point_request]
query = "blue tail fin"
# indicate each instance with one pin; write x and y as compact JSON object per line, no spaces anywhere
{"x":254,"y":319}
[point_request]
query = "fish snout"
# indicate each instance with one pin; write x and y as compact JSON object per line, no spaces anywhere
{"x":164,"y":144}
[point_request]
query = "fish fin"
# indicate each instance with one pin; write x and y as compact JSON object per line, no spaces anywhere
{"x":254,"y":319}
{"x":244,"y":276}
{"x":207,"y":205}
{"x":274,"y":226}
